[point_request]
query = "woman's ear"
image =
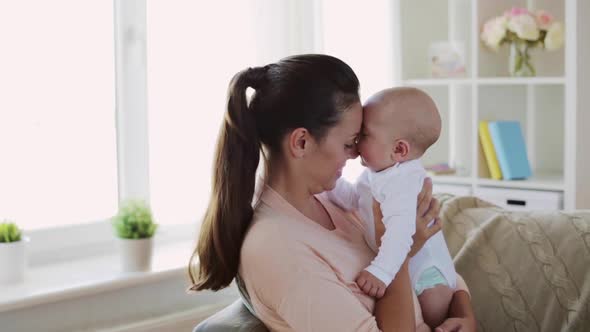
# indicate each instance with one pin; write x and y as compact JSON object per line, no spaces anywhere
{"x":299,"y":142}
{"x":400,"y":151}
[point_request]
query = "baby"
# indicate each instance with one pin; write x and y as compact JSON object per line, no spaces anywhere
{"x":399,"y":125}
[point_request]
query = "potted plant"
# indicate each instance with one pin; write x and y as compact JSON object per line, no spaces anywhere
{"x":135,"y":229}
{"x":13,"y":258}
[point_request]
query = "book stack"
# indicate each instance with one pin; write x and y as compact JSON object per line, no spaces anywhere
{"x":504,"y":150}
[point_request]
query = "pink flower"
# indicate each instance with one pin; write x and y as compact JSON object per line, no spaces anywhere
{"x":516,"y":11}
{"x":519,"y":25}
{"x":544,"y":20}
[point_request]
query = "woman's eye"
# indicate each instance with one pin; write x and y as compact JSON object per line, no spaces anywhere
{"x":352,"y":144}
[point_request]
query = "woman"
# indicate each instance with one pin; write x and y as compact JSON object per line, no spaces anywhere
{"x":297,"y":253}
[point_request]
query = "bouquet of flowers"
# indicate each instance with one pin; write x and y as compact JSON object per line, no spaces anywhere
{"x":523,"y":30}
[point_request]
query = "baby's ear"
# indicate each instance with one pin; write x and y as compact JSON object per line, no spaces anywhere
{"x":401,"y":150}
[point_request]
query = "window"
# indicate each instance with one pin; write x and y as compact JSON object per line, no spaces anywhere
{"x":193,"y":50}
{"x":57,"y":112}
{"x":364,"y":46}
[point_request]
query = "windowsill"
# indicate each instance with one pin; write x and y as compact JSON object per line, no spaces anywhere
{"x":91,"y":275}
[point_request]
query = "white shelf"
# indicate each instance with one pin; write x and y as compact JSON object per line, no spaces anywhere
{"x":451,"y":179}
{"x":540,"y":181}
{"x":486,"y":81}
{"x":544,"y":105}
{"x":520,"y":80}
{"x":437,"y":81}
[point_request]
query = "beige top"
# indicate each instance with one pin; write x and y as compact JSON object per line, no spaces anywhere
{"x":300,"y":275}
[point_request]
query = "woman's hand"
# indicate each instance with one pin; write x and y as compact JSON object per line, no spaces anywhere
{"x":457,"y":325}
{"x":461,"y":316}
{"x":428,"y":209}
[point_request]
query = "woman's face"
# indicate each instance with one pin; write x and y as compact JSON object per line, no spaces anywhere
{"x":329,"y":157}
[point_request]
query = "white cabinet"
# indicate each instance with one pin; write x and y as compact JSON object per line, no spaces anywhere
{"x":486,"y":92}
{"x":515,"y":199}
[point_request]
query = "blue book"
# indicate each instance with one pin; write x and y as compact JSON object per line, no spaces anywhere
{"x":510,"y":149}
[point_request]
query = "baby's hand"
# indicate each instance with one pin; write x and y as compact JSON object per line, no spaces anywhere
{"x":370,"y":284}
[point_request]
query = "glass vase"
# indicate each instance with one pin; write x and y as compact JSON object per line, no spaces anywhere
{"x":520,"y":62}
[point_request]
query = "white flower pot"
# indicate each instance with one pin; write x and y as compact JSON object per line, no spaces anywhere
{"x":136,"y":255}
{"x":13,"y":260}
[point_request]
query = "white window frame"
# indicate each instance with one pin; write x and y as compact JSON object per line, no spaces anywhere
{"x":76,"y":241}
{"x":301,"y":31}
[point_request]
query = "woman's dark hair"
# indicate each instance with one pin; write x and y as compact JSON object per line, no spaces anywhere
{"x":308,"y":91}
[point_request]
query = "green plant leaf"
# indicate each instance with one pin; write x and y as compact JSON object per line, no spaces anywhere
{"x":134,"y":220}
{"x":9,"y":232}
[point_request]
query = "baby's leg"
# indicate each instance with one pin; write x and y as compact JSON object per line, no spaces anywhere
{"x":434,"y":296}
{"x":435,"y":304}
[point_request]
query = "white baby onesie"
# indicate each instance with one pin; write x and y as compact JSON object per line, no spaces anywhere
{"x":396,"y":189}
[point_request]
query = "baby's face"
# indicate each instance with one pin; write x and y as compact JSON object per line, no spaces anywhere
{"x":399,"y":124}
{"x":376,"y":142}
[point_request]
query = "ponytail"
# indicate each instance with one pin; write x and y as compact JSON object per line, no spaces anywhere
{"x":230,"y":211}
{"x":303,"y":91}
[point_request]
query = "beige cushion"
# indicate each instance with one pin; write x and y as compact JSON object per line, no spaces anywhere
{"x":527,"y":271}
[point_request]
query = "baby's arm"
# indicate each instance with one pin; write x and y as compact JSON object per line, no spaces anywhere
{"x":345,"y":195}
{"x":399,"y":217}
